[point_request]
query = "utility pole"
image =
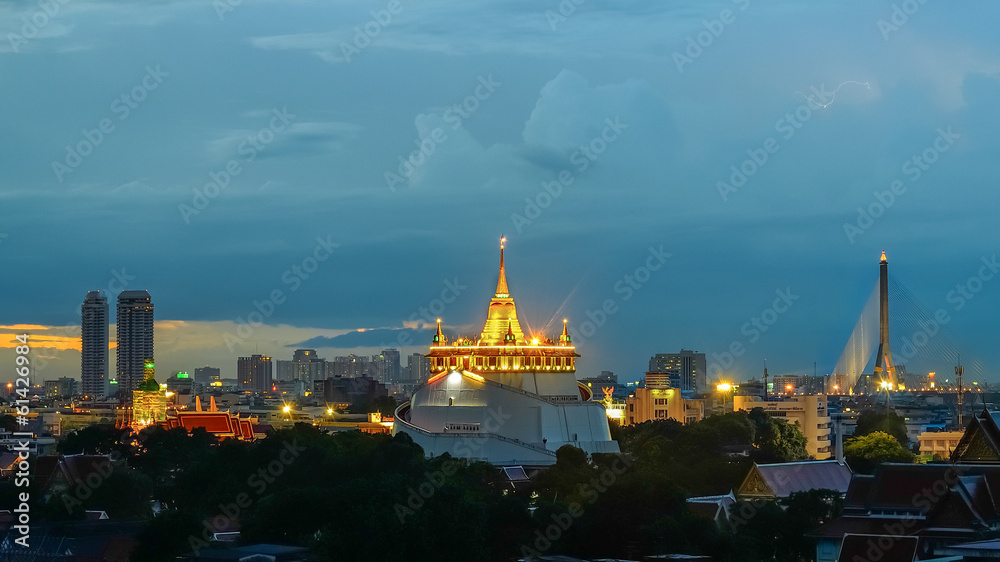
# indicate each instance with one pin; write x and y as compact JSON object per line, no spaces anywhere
{"x":959,"y":371}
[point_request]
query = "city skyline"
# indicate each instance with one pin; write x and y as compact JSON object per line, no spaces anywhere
{"x":599,"y":142}
{"x":721,"y":363}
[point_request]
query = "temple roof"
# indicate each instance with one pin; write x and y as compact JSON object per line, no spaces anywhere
{"x":501,"y":319}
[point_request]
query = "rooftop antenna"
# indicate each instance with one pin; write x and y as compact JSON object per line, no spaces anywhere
{"x":765,"y":379}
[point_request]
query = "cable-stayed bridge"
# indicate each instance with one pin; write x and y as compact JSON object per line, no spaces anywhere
{"x":893,"y":319}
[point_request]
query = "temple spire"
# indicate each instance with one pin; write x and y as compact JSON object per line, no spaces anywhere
{"x":883,"y":258}
{"x":438,"y":337}
{"x":502,"y":291}
{"x":564,"y":338}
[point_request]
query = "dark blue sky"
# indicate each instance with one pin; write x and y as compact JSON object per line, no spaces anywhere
{"x":824,"y":106}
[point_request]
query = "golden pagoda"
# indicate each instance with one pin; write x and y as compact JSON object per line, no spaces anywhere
{"x":502,"y":346}
{"x":149,"y":401}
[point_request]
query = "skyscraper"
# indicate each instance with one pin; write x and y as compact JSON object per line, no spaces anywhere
{"x":94,"y":333}
{"x":254,"y":373}
{"x":135,"y":340}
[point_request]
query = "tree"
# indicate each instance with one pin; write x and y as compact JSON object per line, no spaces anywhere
{"x":385,"y":405}
{"x":865,"y":453}
{"x":886,"y":421}
{"x":96,"y":440}
{"x":778,"y":440}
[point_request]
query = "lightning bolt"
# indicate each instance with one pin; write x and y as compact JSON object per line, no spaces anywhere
{"x":833,"y":94}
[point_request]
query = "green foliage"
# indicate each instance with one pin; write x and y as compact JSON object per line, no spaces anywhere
{"x":8,"y":422}
{"x":355,"y":496}
{"x":865,"y":453}
{"x":777,"y":530}
{"x":886,"y":421}
{"x":98,"y":439}
{"x":776,"y":439}
{"x":385,"y":405}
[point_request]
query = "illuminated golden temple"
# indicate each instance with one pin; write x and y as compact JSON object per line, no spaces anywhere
{"x":502,"y":346}
{"x":504,"y":398}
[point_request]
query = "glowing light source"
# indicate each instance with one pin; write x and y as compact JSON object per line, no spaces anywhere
{"x":886,"y":385}
{"x":286,"y":409}
{"x":723,"y":387}
{"x":329,"y":411}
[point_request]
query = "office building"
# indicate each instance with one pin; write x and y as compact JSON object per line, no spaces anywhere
{"x":657,"y":399}
{"x":207,"y":375}
{"x":688,"y":368}
{"x":63,"y":387}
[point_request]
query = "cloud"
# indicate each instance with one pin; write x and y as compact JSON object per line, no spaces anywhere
{"x":378,"y":337}
{"x":296,"y":139}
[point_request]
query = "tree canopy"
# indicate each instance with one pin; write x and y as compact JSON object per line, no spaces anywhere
{"x":866,"y":452}
{"x":886,"y":421}
{"x":355,"y":496}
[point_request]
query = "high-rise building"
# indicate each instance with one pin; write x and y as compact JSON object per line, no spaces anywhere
{"x":94,"y":333}
{"x":419,"y":368}
{"x":392,"y":370}
{"x":207,"y":375}
{"x":688,"y":367}
{"x":254,"y":373}
{"x":135,"y":340}
{"x":348,"y":366}
{"x":305,"y":366}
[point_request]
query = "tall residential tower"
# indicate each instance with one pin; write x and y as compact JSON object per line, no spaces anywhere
{"x":94,"y":333}
{"x":135,"y":340}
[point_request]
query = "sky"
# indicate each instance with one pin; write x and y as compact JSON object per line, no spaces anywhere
{"x":336,"y":175}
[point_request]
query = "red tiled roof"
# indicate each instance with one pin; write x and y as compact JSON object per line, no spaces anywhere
{"x":858,"y":491}
{"x":863,"y":525}
{"x":883,"y":548}
{"x":704,"y":510}
{"x":786,"y":478}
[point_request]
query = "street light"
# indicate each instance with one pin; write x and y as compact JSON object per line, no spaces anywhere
{"x":724,"y":388}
